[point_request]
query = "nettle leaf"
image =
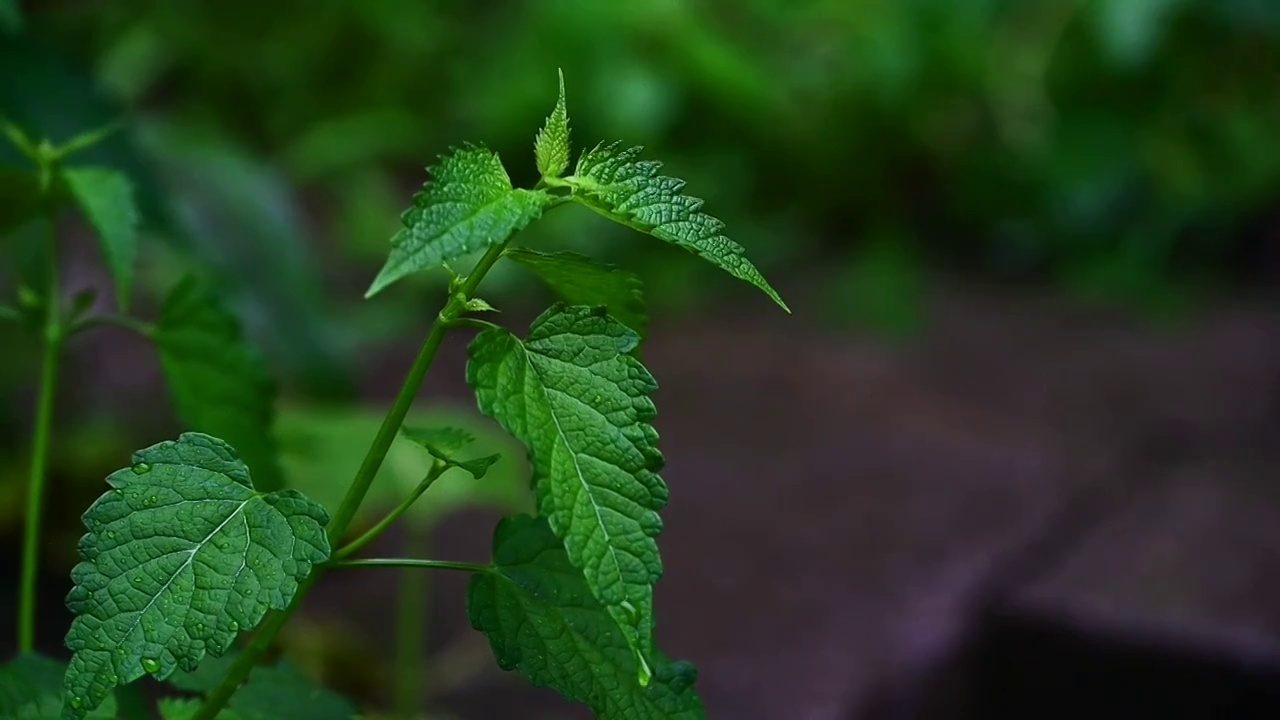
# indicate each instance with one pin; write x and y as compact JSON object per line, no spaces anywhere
{"x":551,"y":148}
{"x":628,"y":190}
{"x":217,"y":381}
{"x":31,"y":689}
{"x":106,"y":198}
{"x":580,"y":403}
{"x":542,"y":620}
{"x":182,"y":554}
{"x":445,"y":442}
{"x":468,"y":204}
{"x":282,"y":692}
{"x":580,"y":280}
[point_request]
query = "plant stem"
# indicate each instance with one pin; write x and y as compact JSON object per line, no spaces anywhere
{"x":373,"y":460}
{"x":347,"y":550}
{"x":416,"y":563}
{"x":411,"y":609}
{"x":51,"y":348}
{"x":140,"y":327}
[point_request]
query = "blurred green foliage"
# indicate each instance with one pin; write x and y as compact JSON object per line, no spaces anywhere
{"x":1116,"y":147}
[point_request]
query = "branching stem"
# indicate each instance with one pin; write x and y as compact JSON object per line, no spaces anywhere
{"x":416,"y":563}
{"x":354,"y":546}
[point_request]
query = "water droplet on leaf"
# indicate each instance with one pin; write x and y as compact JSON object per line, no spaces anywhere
{"x":150,"y":664}
{"x":235,"y":625}
{"x":76,"y":702}
{"x":141,"y":469}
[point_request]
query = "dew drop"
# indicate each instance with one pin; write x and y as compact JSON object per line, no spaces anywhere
{"x":111,"y":534}
{"x":151,"y":500}
{"x":76,"y":702}
{"x":235,"y":626}
{"x":150,"y":664}
{"x":631,"y":612}
{"x":141,"y":469}
{"x":114,"y":679}
{"x":137,"y":579}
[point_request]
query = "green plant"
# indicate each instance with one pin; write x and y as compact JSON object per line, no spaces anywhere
{"x":189,"y":547}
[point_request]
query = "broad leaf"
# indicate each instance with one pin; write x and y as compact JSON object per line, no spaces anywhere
{"x":186,"y":709}
{"x":622,"y":187}
{"x":217,"y":382}
{"x":445,"y":442}
{"x":467,"y":205}
{"x":31,"y":689}
{"x":580,"y":402}
{"x":106,"y":198}
{"x":551,"y":148}
{"x":580,"y":280}
{"x":284,"y":693}
{"x":541,"y":619}
{"x":182,"y":554}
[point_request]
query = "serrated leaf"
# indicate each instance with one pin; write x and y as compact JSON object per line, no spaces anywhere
{"x":444,"y":443}
{"x":217,"y":382}
{"x":628,"y":190}
{"x":186,"y":709}
{"x":541,"y":619}
{"x":467,"y":205}
{"x":575,"y":397}
{"x":581,"y":280}
{"x":551,"y":148}
{"x":106,"y":198}
{"x":284,"y":693}
{"x":31,"y":689}
{"x":182,"y":554}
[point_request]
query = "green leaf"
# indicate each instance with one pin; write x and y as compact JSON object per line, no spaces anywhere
{"x":106,"y":199}
{"x":623,"y":188}
{"x":443,"y":443}
{"x":31,"y":689}
{"x":217,"y":382}
{"x":541,"y":619}
{"x":580,"y":402}
{"x":182,"y":554}
{"x":284,"y":693}
{"x":186,"y":709}
{"x":580,"y":280}
{"x":206,"y":676}
{"x":551,"y":148}
{"x":469,"y":204}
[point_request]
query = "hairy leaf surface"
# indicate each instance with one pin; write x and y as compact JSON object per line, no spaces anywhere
{"x":467,"y":205}
{"x":551,"y":147}
{"x":624,"y":188}
{"x":182,"y":554}
{"x":541,"y":619}
{"x":217,"y":381}
{"x":106,"y":198}
{"x":31,"y":689}
{"x":580,"y":280}
{"x":580,"y":403}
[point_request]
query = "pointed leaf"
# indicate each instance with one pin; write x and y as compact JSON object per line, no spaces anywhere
{"x":468,"y":204}
{"x":630,"y":191}
{"x":551,"y":148}
{"x":182,"y":554}
{"x":541,"y":619}
{"x":444,"y":443}
{"x":580,"y":280}
{"x":106,"y":199}
{"x":580,"y":402}
{"x":217,"y":382}
{"x":31,"y":689}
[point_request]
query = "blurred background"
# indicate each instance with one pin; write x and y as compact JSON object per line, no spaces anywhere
{"x":1015,"y":450}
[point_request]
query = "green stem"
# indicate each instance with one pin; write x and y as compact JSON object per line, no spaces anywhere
{"x":411,"y":611}
{"x":52,"y":348}
{"x":416,"y":563}
{"x":140,"y":327}
{"x":347,"y":550}
{"x":473,"y":322}
{"x":373,"y":460}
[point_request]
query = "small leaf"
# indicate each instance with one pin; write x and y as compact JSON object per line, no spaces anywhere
{"x":580,"y":280}
{"x":580,"y":403}
{"x":186,"y":709}
{"x":217,"y":381}
{"x":541,"y":619}
{"x":284,"y":693}
{"x":106,"y":198}
{"x":467,"y":205}
{"x":444,"y":442}
{"x":623,"y":188}
{"x":551,"y":148}
{"x":181,"y":555}
{"x":31,"y":689}
{"x":479,"y":305}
